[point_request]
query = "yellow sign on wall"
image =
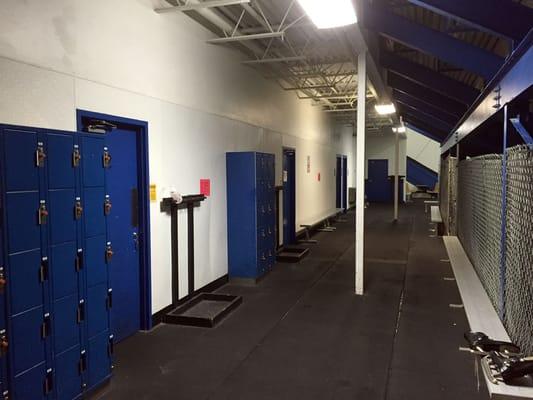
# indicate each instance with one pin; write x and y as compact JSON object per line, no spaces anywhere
{"x":153,"y":192}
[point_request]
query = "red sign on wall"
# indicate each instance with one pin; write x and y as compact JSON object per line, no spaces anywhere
{"x":205,"y":187}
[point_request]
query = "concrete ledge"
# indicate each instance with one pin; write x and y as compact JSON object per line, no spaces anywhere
{"x":481,"y":315}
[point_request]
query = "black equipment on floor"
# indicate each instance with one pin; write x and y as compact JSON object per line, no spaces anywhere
{"x":197,"y":309}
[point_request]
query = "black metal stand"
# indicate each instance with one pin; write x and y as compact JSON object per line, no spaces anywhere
{"x":168,"y":204}
{"x":204,"y":309}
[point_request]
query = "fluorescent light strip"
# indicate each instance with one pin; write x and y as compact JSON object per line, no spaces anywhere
{"x":327,"y":14}
{"x":385,"y":109}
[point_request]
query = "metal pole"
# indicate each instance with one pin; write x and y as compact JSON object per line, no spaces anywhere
{"x":360,"y":176}
{"x":504,"y":216}
{"x":396,"y":177}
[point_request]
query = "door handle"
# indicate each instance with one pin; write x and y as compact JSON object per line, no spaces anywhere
{"x":136,"y":240}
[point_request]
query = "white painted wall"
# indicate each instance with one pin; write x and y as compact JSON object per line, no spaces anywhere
{"x":121,"y":58}
{"x":382,"y":147}
{"x":423,"y":149}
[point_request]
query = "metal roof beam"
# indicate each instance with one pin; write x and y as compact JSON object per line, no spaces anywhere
{"x":422,"y":93}
{"x":425,"y":107}
{"x":308,"y":87}
{"x":200,"y":6}
{"x":433,"y":42}
{"x":429,"y":120}
{"x":242,"y":38}
{"x":429,"y":78}
{"x":503,"y":18}
{"x":274,"y":60}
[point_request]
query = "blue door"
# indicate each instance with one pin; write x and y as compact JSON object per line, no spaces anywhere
{"x":123,"y":221}
{"x":344,"y":183}
{"x":289,"y":196}
{"x":378,"y":187}
{"x":338,"y":182}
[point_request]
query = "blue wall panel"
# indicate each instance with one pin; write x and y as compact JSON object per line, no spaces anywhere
{"x":418,"y":174}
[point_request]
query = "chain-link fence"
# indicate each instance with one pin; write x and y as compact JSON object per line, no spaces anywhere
{"x":479,"y":227}
{"x":519,"y":248}
{"x":479,"y":205}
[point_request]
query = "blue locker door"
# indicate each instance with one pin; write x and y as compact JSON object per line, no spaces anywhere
{"x":289,"y":196}
{"x":124,"y":270}
{"x":99,"y":358}
{"x":68,"y":374}
{"x":62,"y":220}
{"x":92,"y":149}
{"x":65,"y":323}
{"x":30,"y":384}
{"x":97,"y":310}
{"x":378,"y":187}
{"x":3,"y":322}
{"x":25,"y":281}
{"x":26,"y":340}
{"x":95,"y":260}
{"x":21,"y":172}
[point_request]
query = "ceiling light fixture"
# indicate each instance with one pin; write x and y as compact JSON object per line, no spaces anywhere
{"x":327,"y":14}
{"x":385,"y":109}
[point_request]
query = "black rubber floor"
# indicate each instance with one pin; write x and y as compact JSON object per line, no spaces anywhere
{"x":303,"y":334}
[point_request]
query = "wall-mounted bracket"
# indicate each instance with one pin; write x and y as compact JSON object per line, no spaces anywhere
{"x":522,"y":131}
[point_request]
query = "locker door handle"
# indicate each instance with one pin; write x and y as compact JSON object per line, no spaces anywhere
{"x":45,"y":326}
{"x":42,"y":213}
{"x":109,"y":299}
{"x":76,"y":156}
{"x":78,"y":210}
{"x":40,"y":155}
{"x":3,"y":280}
{"x":48,"y":382}
{"x":4,"y":343}
{"x":79,"y":260}
{"x":107,"y":205}
{"x":43,"y":270}
{"x":80,"y":312}
{"x":136,"y":240}
{"x":83,"y":362}
{"x":111,"y":346}
{"x":108,"y":253}
{"x":106,"y":158}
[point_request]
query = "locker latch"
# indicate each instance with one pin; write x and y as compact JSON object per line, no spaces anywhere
{"x":106,"y":158}
{"x":5,"y":395}
{"x":3,"y":280}
{"x":79,"y":260}
{"x":80,"y":314}
{"x":76,"y":156}
{"x":111,"y":346}
{"x":48,"y":381}
{"x":4,"y":344}
{"x":107,"y":205}
{"x":45,"y":326}
{"x":42,"y":213}
{"x":83,"y":361}
{"x":43,"y":270}
{"x":78,"y":209}
{"x":110,"y":298}
{"x":108,"y":252}
{"x":40,"y":155}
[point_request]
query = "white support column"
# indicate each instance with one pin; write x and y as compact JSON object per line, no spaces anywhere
{"x":360,"y":177}
{"x":396,"y":173}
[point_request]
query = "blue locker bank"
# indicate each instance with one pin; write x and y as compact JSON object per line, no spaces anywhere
{"x":251,"y":214}
{"x":55,"y":296}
